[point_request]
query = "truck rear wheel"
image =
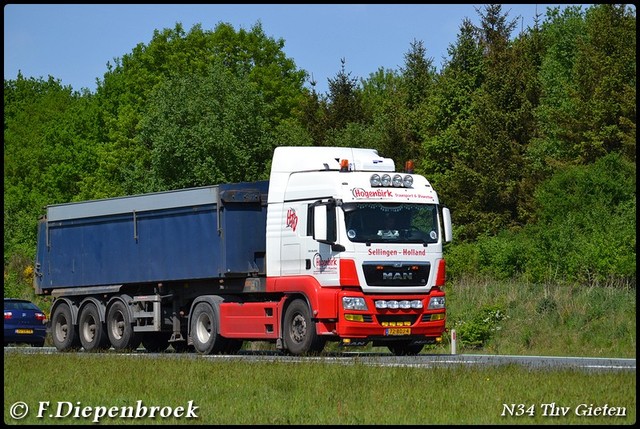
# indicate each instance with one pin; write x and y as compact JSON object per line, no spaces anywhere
{"x":299,"y":333}
{"x":120,"y":328}
{"x":63,"y":332}
{"x":93,"y":335}
{"x":204,"y":330}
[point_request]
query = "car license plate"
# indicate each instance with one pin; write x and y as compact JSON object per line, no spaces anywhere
{"x":398,"y":331}
{"x":24,"y":331}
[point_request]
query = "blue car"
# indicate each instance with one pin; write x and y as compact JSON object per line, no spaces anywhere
{"x":24,"y":322}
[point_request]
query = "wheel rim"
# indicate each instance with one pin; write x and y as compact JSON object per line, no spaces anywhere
{"x":117,"y":326}
{"x":89,"y":329}
{"x":298,"y":328}
{"x":203,"y":328}
{"x":62,"y":328}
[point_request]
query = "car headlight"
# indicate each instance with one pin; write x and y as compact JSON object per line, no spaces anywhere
{"x":352,"y":303}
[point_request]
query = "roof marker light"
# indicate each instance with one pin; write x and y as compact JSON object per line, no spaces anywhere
{"x":408,"y":167}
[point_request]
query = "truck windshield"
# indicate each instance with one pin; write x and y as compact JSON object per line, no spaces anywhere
{"x":385,"y":222}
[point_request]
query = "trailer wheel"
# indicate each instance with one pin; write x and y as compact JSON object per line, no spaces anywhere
{"x":405,"y":348}
{"x":120,"y":328}
{"x":93,"y":335}
{"x":204,"y":330}
{"x":63,"y":332}
{"x":300,"y":335}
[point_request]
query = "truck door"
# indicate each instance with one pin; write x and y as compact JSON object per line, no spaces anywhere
{"x":294,"y":229}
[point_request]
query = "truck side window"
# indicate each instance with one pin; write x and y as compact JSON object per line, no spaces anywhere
{"x":309,"y":220}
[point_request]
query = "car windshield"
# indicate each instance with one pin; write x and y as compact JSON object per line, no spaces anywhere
{"x":384,"y":222}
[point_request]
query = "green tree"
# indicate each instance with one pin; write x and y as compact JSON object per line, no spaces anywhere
{"x":418,"y":73}
{"x":448,"y":116}
{"x":384,"y":103}
{"x":586,"y":226}
{"x":487,"y":175}
{"x":312,"y":115}
{"x":204,"y":130}
{"x":344,"y":104}
{"x":606,"y":85}
{"x":49,"y":135}
{"x":418,"y":80}
{"x":124,"y":94}
{"x":588,"y":80}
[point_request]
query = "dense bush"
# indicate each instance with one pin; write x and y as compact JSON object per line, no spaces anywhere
{"x":585,"y":231}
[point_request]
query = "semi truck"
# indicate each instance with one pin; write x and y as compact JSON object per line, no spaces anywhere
{"x":337,"y":245}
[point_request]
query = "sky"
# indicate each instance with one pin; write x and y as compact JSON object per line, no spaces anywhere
{"x":74,"y":43}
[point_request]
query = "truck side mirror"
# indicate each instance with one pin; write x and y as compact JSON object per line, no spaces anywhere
{"x":320,"y":223}
{"x":446,"y":222}
{"x":325,"y":226}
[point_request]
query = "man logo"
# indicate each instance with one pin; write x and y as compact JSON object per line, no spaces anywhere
{"x":397,"y":276}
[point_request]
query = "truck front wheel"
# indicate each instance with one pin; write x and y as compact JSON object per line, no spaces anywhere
{"x":63,"y":332}
{"x":204,"y":330}
{"x":120,"y":328}
{"x":299,"y":334}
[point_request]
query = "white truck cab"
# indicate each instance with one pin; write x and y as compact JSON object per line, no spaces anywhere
{"x":327,"y":204}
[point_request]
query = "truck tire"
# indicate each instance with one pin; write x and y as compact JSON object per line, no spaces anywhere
{"x":299,"y":333}
{"x":405,"y":348}
{"x":204,"y":330}
{"x":120,"y":328}
{"x":93,"y":335}
{"x":63,"y":332}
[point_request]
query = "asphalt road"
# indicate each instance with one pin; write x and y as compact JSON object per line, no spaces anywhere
{"x":387,"y":359}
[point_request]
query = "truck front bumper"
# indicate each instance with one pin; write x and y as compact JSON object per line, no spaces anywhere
{"x":392,"y":323}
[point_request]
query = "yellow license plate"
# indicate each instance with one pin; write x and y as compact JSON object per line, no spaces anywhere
{"x":24,"y":331}
{"x":398,"y":331}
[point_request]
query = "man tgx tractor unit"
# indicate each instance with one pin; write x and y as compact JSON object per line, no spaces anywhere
{"x":336,"y":246}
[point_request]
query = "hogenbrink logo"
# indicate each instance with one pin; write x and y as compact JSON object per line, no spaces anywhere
{"x":378,"y":193}
{"x":292,"y":219}
{"x":318,"y":262}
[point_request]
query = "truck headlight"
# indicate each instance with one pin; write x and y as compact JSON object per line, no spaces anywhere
{"x":352,"y":303}
{"x":436,"y":303}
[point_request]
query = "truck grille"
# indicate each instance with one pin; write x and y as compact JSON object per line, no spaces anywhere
{"x":396,"y":274}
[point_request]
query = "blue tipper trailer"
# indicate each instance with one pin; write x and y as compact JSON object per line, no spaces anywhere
{"x":190,"y":234}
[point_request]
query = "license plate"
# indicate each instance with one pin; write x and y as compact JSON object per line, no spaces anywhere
{"x":24,"y":331}
{"x":398,"y":331}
